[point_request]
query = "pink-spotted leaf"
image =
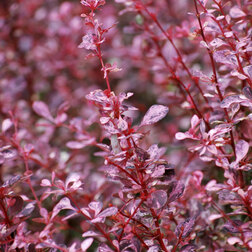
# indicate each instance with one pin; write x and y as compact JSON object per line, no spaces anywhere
{"x":154,"y":114}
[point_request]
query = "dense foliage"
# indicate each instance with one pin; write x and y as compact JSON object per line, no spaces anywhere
{"x":125,"y":125}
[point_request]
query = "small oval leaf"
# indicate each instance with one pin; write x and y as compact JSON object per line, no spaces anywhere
{"x":107,"y":212}
{"x":42,"y":109}
{"x":154,"y":114}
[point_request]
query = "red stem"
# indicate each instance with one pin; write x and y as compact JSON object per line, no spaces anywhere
{"x":106,"y":235}
{"x":177,"y":52}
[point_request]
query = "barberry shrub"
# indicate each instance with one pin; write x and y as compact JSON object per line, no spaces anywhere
{"x":126,"y":125}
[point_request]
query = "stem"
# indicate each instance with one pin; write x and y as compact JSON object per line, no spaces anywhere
{"x":106,"y":235}
{"x":228,"y":41}
{"x":129,"y":219}
{"x":225,"y":216}
{"x":181,"y":84}
{"x":103,"y":67}
{"x":29,"y":181}
{"x":124,"y":171}
{"x":178,"y":241}
{"x":210,"y":53}
{"x":177,"y":52}
{"x":160,"y":239}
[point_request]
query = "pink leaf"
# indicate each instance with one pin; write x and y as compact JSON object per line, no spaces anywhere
{"x":238,"y":75}
{"x":6,"y":124}
{"x":204,"y":2}
{"x":214,"y":217}
{"x":226,"y":102}
{"x":226,"y":57}
{"x":217,"y":42}
{"x":42,"y":109}
{"x":241,"y":149}
{"x":88,"y":42}
{"x":155,"y":152}
{"x":86,"y":244}
{"x":107,"y":212}
{"x":80,"y":144}
{"x":104,"y":248}
{"x":44,"y":213}
{"x":90,"y":234}
{"x":73,"y":181}
{"x":75,"y":145}
{"x":158,"y":199}
{"x":63,"y":204}
{"x":182,"y":136}
{"x":95,"y":206}
{"x":45,"y":182}
{"x":154,"y":114}
{"x":232,"y":226}
{"x":188,"y":248}
{"x":248,"y":70}
{"x":234,"y":240}
{"x":195,"y":121}
{"x":11,"y":181}
{"x":236,"y":12}
{"x":122,"y":124}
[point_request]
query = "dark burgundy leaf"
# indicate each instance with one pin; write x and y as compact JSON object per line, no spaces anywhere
{"x":169,"y":171}
{"x":16,"y":206}
{"x":31,"y":248}
{"x":175,"y":191}
{"x":185,"y":228}
{"x":141,"y":154}
{"x":247,"y":91}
